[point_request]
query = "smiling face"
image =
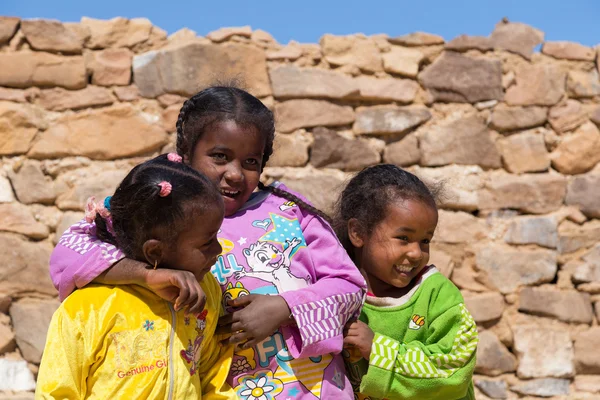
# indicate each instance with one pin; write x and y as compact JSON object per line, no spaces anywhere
{"x":231,"y":156}
{"x":398,"y":247}
{"x":196,"y":247}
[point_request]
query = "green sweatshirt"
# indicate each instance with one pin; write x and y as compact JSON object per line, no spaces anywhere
{"x":424,"y":346}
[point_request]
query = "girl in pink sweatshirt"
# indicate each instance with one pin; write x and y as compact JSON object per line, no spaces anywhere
{"x":288,"y":285}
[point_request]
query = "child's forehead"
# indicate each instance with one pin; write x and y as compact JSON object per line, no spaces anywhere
{"x":231,"y":134}
{"x":411,"y":211}
{"x":231,"y":128}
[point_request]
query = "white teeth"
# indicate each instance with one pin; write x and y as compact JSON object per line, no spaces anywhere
{"x":229,"y":192}
{"x":404,"y":268}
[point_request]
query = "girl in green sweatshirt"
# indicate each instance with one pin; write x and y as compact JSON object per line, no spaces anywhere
{"x":414,"y":339}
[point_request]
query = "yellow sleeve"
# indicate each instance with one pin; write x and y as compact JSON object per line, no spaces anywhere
{"x":214,"y":370}
{"x":215,"y":360}
{"x":64,"y":368}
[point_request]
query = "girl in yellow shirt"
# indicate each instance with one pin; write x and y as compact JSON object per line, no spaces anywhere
{"x":125,"y":342}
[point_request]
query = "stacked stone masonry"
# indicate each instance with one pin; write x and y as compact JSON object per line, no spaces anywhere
{"x":513,"y":133}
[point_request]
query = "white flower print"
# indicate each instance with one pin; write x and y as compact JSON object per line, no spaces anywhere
{"x":262,"y":386}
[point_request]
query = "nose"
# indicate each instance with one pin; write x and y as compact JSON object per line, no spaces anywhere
{"x":234,"y":172}
{"x":415,"y":253}
{"x":218,"y":249}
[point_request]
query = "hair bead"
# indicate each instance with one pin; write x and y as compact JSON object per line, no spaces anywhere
{"x":174,"y":157}
{"x":165,"y":188}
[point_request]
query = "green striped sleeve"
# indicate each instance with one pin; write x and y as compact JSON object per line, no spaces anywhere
{"x":440,"y":369}
{"x":384,"y":352}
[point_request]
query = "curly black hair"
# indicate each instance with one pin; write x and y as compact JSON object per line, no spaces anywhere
{"x":137,"y":210}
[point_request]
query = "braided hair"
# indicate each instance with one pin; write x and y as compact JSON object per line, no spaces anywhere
{"x":229,"y":103}
{"x":368,"y":194}
{"x":155,"y":195}
{"x":292,"y":197}
{"x":219,"y":104}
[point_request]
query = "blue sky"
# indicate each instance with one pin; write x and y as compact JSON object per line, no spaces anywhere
{"x":307,"y":20}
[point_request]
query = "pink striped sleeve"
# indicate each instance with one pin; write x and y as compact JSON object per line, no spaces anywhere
{"x":79,"y":258}
{"x":325,"y":319}
{"x":322,"y":309}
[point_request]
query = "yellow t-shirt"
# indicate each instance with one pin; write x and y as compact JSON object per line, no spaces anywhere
{"x":124,"y":342}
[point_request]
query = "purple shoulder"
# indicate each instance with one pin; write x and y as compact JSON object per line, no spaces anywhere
{"x":287,"y":206}
{"x":283,"y":187}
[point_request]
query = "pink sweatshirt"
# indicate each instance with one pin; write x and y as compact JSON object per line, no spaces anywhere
{"x":270,"y":246}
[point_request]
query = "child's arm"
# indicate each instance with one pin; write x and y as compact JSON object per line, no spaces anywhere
{"x":80,"y":258}
{"x":438,"y":369}
{"x":322,"y":309}
{"x":63,"y":370}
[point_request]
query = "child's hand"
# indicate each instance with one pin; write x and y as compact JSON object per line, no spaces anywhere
{"x":361,"y":336}
{"x":178,"y":287}
{"x":259,"y":318}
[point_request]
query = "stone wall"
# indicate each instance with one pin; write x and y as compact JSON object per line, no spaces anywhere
{"x":512,"y":132}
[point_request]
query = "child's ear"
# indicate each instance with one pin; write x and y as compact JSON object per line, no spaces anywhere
{"x":153,"y":251}
{"x":355,"y":234}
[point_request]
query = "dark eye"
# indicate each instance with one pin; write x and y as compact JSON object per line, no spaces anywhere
{"x":426,"y":241}
{"x":403,"y":238}
{"x":209,"y":243}
{"x":251,"y":163}
{"x":219,"y":156}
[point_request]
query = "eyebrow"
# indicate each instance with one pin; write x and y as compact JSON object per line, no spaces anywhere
{"x":220,"y":147}
{"x":204,"y":239}
{"x":405,"y":229}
